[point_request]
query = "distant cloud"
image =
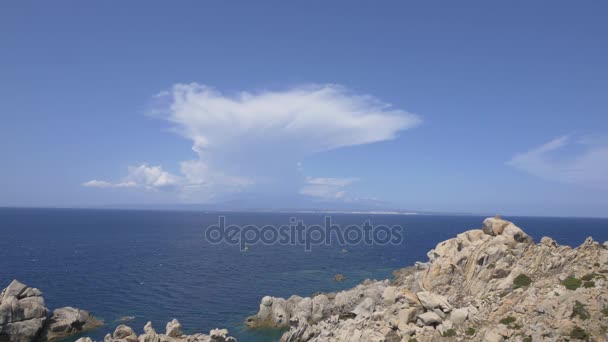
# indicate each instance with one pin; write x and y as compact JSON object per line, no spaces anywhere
{"x":327,"y":188}
{"x":582,"y":161}
{"x":250,"y":140}
{"x":142,"y":176}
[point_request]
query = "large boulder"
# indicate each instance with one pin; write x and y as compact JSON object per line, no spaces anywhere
{"x":67,"y":321}
{"x":22,"y":313}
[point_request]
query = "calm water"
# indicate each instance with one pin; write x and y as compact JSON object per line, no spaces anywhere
{"x":155,"y":265}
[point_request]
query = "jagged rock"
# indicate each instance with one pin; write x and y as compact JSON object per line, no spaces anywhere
{"x":459,"y":315}
{"x":174,"y":329}
{"x":84,"y":339}
{"x":365,"y":308}
{"x":220,"y":335}
{"x":68,"y":321}
{"x":431,"y":301}
{"x":428,"y":318}
{"x":320,"y":307}
{"x":407,"y":316}
{"x":123,"y":333}
{"x":389,"y":295}
{"x":22,"y":313}
{"x":149,"y":334}
{"x":549,"y":242}
{"x":276,"y":312}
{"x":494,"y":225}
{"x":174,"y":334}
{"x":24,"y":317}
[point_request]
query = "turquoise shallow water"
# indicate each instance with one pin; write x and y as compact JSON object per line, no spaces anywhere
{"x":155,"y":265}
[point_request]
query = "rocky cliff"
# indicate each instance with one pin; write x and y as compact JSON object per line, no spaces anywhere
{"x":488,"y":284}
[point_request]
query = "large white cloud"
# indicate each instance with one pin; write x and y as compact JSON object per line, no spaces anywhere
{"x":310,"y":118}
{"x":564,"y":159}
{"x":255,"y":140}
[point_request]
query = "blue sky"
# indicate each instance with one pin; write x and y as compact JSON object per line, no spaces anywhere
{"x":464,"y":107}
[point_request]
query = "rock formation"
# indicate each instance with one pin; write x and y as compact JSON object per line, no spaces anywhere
{"x":489,"y":284}
{"x":22,"y":313}
{"x":68,"y":321}
{"x":173,"y":333}
{"x":24,"y":317}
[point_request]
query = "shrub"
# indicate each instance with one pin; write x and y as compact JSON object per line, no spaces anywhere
{"x":589,"y":284}
{"x":507,"y":320}
{"x":413,"y":339}
{"x":449,"y":333}
{"x":589,"y":276}
{"x":527,"y":339}
{"x":571,"y":283}
{"x":470,"y":331}
{"x":579,"y":333}
{"x":521,"y":280}
{"x":605,"y":311}
{"x":580,"y":311}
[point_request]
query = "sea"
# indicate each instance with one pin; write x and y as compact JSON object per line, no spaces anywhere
{"x":133,"y":266}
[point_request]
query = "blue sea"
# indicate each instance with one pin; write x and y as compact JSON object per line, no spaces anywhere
{"x":156,"y":265}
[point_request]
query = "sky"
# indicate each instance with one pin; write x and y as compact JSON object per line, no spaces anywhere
{"x":474,"y":107}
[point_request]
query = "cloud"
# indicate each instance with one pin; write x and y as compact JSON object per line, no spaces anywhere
{"x":310,"y":118}
{"x":253,"y":141}
{"x":327,"y":188}
{"x":142,"y":176}
{"x":583,"y":161}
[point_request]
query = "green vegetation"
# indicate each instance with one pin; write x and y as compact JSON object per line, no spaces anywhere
{"x":507,"y":320}
{"x":572,"y":283}
{"x":527,"y":339}
{"x":580,"y":311}
{"x":579,"y":333}
{"x":605,"y":311}
{"x":470,"y":331}
{"x":449,"y":333}
{"x":589,"y":284}
{"x":521,"y":280}
{"x":413,"y":339}
{"x":590,"y":276}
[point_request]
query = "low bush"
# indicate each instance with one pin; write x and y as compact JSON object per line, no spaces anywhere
{"x":580,"y":311}
{"x":507,"y":320}
{"x":521,"y":280}
{"x":449,"y":333}
{"x":572,"y":283}
{"x":579,"y":333}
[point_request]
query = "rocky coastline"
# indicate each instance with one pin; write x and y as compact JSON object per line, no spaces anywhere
{"x":491,"y":284}
{"x":25,"y":318}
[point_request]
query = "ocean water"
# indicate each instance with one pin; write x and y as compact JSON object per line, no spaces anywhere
{"x":156,"y":265}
